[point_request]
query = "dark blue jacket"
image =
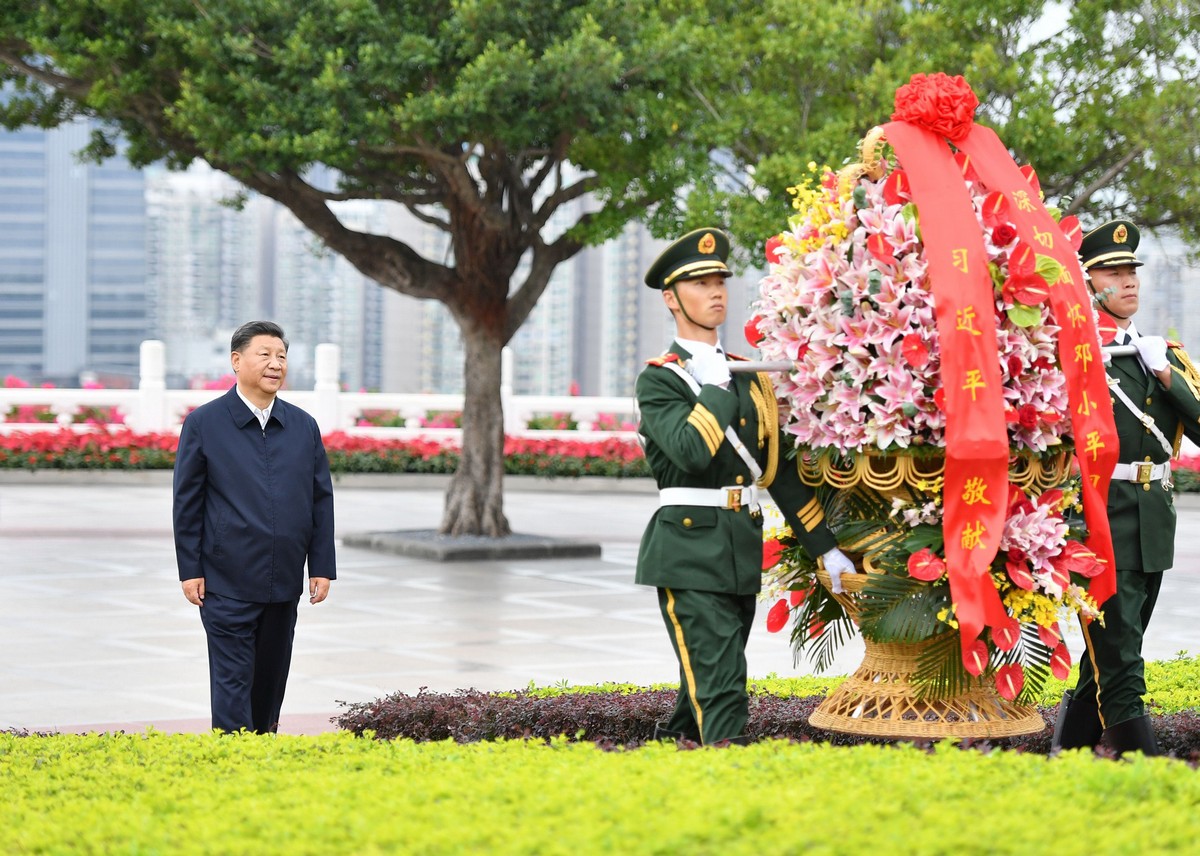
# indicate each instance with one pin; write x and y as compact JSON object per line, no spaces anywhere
{"x":251,"y":505}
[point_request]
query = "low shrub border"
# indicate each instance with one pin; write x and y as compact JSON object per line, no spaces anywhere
{"x":156,"y":793}
{"x":618,"y":715}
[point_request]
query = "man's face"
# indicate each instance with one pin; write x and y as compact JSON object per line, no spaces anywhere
{"x":705,"y":298}
{"x":262,"y":367}
{"x":1123,"y":280}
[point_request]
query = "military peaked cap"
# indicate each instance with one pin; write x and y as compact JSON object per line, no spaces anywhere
{"x":1110,"y":245}
{"x":698,"y":253}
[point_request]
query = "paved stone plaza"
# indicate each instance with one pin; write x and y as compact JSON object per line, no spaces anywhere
{"x":97,"y":635}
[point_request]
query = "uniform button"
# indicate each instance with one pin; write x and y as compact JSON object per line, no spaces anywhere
{"x":687,"y":521}
{"x":742,"y":421}
{"x":741,"y":479}
{"x":1149,"y":400}
{"x":1147,"y":457}
{"x":1145,"y":487}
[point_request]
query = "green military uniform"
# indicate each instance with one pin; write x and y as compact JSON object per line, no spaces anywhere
{"x":705,"y":560}
{"x":1141,"y":511}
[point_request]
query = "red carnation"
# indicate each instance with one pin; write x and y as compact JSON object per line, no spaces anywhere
{"x":1028,"y":415}
{"x":940,"y":103}
{"x":1004,"y":234}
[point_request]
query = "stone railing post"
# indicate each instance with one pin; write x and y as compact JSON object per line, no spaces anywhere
{"x":152,"y":388}
{"x":326,"y":391}
{"x":512,"y":420}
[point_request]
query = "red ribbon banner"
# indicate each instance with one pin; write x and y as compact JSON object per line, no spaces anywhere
{"x":1096,"y":444}
{"x":975,"y":492}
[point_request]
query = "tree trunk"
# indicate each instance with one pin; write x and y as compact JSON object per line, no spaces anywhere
{"x":475,"y":498}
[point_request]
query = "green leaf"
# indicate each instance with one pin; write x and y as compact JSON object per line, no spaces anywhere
{"x":924,"y":535}
{"x":900,"y":609}
{"x":1024,"y":316}
{"x":1048,"y":269}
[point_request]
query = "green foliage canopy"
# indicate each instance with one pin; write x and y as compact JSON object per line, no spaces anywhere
{"x":1101,"y":97}
{"x":484,"y":118}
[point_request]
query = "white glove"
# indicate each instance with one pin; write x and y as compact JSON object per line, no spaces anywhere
{"x":836,"y":563}
{"x":709,"y":367}
{"x":1152,"y":350}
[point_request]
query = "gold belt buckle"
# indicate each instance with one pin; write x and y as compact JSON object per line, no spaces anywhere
{"x":733,"y":498}
{"x":1145,"y":470}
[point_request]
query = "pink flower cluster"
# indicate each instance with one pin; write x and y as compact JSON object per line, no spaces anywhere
{"x":847,"y":297}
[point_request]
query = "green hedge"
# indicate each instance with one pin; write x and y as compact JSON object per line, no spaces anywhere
{"x":154,"y":793}
{"x":336,"y":793}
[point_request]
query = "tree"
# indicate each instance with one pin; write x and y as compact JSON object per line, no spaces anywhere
{"x":484,"y":118}
{"x":1101,"y":97}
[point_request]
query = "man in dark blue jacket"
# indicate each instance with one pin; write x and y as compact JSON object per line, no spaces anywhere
{"x":253,"y":502}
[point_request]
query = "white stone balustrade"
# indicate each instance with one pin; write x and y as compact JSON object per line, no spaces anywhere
{"x":154,"y":408}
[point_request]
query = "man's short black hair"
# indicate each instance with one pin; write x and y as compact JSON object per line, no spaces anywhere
{"x":242,"y":335}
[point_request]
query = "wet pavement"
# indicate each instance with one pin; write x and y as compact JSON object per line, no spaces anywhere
{"x":97,"y":635}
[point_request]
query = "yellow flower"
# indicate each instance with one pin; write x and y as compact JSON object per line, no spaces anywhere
{"x":944,"y":617}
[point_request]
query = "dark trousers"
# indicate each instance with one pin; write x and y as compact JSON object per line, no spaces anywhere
{"x":1112,"y":671}
{"x":708,"y":631}
{"x":249,"y":654}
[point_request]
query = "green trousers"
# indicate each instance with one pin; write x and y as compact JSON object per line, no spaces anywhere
{"x":708,"y":631}
{"x":1112,"y":671}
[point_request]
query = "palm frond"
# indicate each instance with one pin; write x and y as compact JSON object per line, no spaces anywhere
{"x":900,"y":609}
{"x":939,"y":672}
{"x":820,"y":624}
{"x":1034,"y":657}
{"x":824,"y":646}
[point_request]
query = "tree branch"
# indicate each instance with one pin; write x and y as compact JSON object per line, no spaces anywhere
{"x":384,"y":259}
{"x":561,"y":197}
{"x":1105,"y":179}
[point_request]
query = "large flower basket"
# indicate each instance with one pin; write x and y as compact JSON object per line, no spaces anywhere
{"x":884,"y":697}
{"x":949,"y":402}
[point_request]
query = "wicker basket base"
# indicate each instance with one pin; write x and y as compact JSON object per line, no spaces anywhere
{"x":879,"y":700}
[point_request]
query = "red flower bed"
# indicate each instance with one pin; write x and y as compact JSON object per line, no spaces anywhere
{"x":125,"y":449}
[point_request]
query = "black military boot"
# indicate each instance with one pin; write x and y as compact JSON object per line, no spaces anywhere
{"x":662,"y":732}
{"x":1132,"y":735}
{"x":1078,"y":723}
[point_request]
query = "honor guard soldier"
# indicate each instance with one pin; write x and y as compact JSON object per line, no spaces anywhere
{"x":1155,"y":402}
{"x":712,"y":441}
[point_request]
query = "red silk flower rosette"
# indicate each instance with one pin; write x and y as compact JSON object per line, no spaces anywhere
{"x":943,"y":104}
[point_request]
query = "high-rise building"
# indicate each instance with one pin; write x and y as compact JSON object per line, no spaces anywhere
{"x":319,"y":297}
{"x":1170,"y":278}
{"x":207,"y":267}
{"x":72,"y":260}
